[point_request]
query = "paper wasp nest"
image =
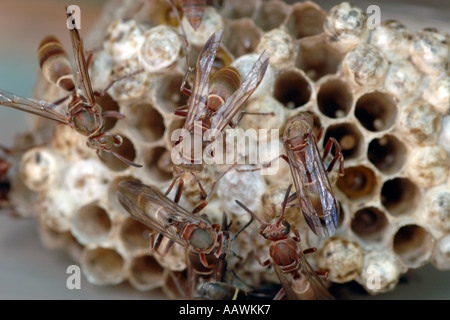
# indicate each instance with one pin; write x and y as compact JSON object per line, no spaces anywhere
{"x":384,"y":94}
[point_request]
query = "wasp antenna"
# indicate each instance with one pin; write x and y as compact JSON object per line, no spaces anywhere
{"x":242,"y":229}
{"x":251,"y":212}
{"x":285,"y":201}
{"x":125,"y":160}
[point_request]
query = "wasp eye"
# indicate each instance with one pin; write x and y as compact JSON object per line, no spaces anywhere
{"x":117,"y":140}
{"x":287,"y":228}
{"x":262,"y":231}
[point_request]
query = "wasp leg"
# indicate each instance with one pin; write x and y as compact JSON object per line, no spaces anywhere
{"x":180,"y":186}
{"x":267,"y":165}
{"x":113,"y":114}
{"x":182,"y":111}
{"x":103,"y":92}
{"x":334,"y":172}
{"x":203,"y":204}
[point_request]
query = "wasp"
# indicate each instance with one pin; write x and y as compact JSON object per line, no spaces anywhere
{"x":312,"y":183}
{"x":298,"y":279}
{"x":152,"y":208}
{"x":84,"y":114}
{"x":213,"y":103}
{"x":207,"y":244}
{"x":313,"y":188}
{"x":194,"y":11}
{"x":199,"y":274}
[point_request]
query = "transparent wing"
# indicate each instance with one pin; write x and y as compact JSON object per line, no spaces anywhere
{"x":234,"y":103}
{"x":316,"y":290}
{"x":137,"y":213}
{"x":199,"y":96}
{"x":40,"y":108}
{"x":314,"y":191}
{"x":320,"y":291}
{"x":285,"y":283}
{"x":149,"y":206}
{"x":80,"y":59}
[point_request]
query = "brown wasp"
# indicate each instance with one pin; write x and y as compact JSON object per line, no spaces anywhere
{"x":193,"y":10}
{"x":313,"y":188}
{"x":213,"y":104}
{"x":196,"y":233}
{"x":199,"y":274}
{"x":314,"y":192}
{"x":207,"y":244}
{"x":84,"y":113}
{"x":289,"y":260}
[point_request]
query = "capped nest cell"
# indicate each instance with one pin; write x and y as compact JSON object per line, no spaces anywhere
{"x":386,"y":106}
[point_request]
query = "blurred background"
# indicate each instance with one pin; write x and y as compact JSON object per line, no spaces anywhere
{"x":30,"y":271}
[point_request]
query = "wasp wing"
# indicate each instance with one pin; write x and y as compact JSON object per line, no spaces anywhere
{"x":314,"y":191}
{"x":307,"y":286}
{"x":285,"y":283}
{"x":199,"y":95}
{"x":317,"y":286}
{"x":40,"y":108}
{"x":138,"y":214}
{"x":80,"y":60}
{"x":234,"y":103}
{"x":149,"y":206}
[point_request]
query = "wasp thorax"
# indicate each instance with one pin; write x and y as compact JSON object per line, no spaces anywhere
{"x":88,"y":122}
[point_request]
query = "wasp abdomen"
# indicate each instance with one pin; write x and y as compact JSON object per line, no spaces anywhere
{"x":55,"y":64}
{"x":194,"y":10}
{"x":222,"y":85}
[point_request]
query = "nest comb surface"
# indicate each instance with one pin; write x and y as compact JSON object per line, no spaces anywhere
{"x":377,"y":92}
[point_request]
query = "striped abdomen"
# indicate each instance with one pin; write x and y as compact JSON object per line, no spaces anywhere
{"x":55,"y":64}
{"x":194,"y":10}
{"x":222,"y":85}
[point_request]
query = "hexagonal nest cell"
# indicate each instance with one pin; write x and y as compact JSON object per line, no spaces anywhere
{"x":330,"y":65}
